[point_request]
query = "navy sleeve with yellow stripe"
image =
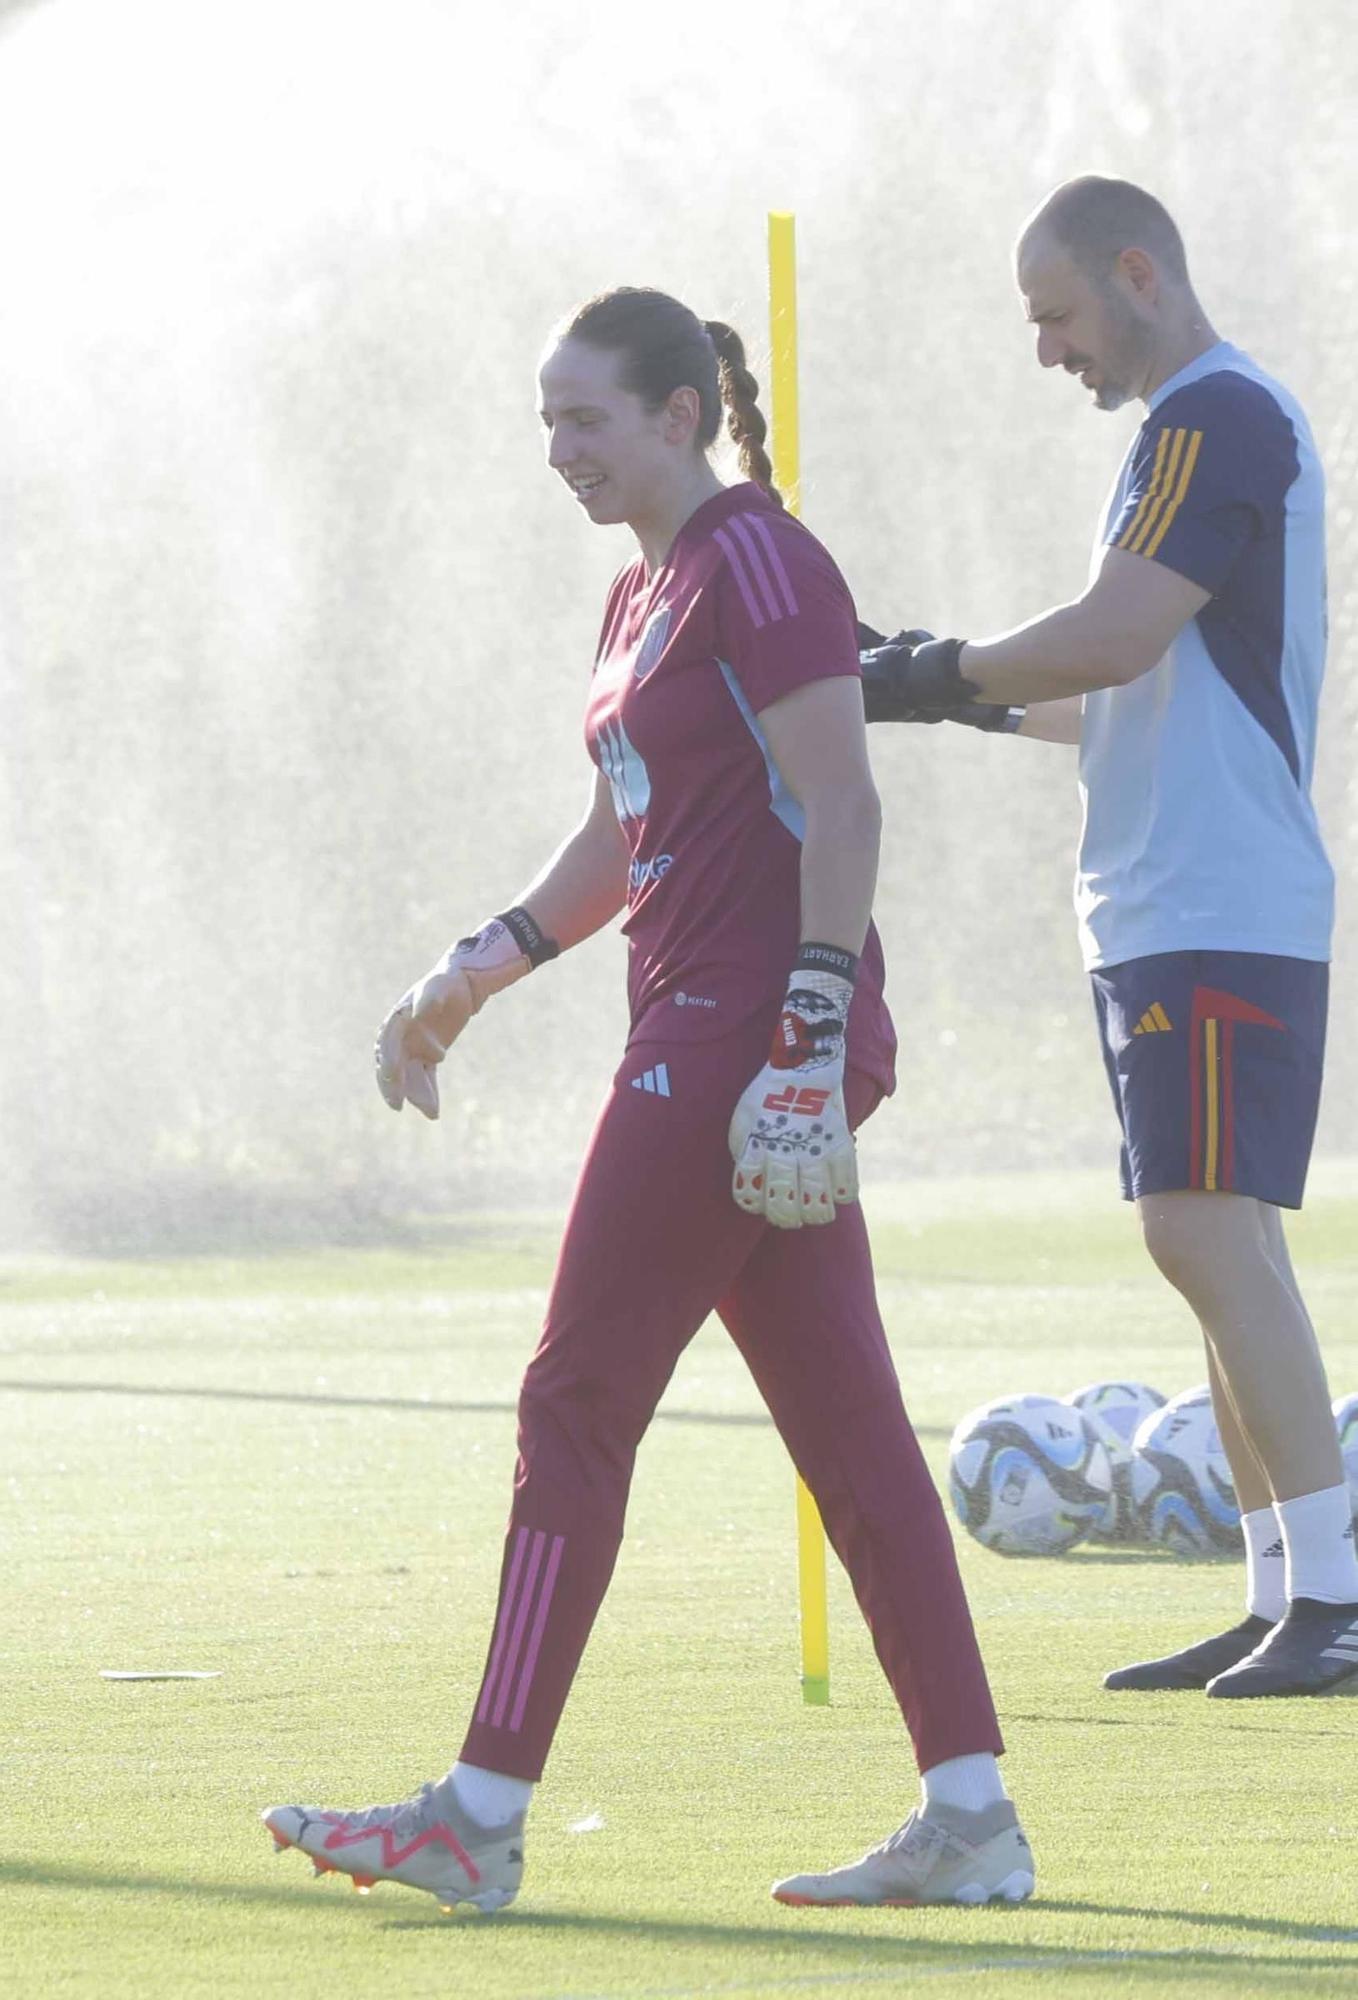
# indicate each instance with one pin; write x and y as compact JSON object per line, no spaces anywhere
{"x":1208,"y":479}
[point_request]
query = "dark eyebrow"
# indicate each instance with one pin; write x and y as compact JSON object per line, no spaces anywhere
{"x":575,"y":410}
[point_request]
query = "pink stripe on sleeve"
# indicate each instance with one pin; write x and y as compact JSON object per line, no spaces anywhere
{"x":502,"y":1624}
{"x":732,"y":554}
{"x":539,"y":1625}
{"x":520,"y":1620}
{"x":767,"y":537}
{"x":759,"y":569}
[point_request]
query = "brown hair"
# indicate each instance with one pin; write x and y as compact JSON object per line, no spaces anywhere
{"x":664,"y":347}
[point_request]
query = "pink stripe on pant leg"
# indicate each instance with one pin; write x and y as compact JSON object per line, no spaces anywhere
{"x":502,"y":1624}
{"x":525,"y":1605}
{"x":539,"y":1625}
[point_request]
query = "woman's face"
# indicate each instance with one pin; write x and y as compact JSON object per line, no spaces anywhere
{"x":617,"y":457}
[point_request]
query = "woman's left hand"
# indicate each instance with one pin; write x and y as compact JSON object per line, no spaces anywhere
{"x":794,"y":1153}
{"x":789,"y":1136}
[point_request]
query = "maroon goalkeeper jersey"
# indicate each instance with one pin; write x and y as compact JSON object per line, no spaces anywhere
{"x":747,"y":607}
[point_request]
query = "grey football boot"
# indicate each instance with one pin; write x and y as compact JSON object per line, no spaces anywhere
{"x":941,"y":1855}
{"x":426,"y":1842}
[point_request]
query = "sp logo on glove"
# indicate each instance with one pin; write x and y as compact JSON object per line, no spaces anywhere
{"x":802,"y":1103}
{"x":794,"y":1154}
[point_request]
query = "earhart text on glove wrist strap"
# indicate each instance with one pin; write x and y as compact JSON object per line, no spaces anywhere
{"x":826,"y":958}
{"x":529,"y":935}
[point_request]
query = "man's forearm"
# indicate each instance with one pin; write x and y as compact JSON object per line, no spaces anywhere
{"x":1060,"y":654}
{"x":1054,"y":721}
{"x":1122,"y":627}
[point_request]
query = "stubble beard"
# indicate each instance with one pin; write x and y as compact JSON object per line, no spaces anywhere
{"x":1132,"y":343}
{"x":1112,"y":396}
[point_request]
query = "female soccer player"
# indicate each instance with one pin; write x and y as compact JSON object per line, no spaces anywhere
{"x":733,"y":816}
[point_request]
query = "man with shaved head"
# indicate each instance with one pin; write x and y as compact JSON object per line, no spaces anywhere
{"x":1189,"y":674}
{"x":1085,"y":231}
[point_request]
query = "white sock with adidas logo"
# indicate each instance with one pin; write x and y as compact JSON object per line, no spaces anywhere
{"x":1318,"y":1536}
{"x":1265,"y":1565}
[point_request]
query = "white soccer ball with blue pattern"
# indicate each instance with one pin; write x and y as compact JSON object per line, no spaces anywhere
{"x":1346,"y":1423}
{"x":1183,"y":1496}
{"x":1027,"y":1476}
{"x":1115,"y":1410}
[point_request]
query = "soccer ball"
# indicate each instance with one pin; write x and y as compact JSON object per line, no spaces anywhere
{"x":1346,"y":1422}
{"x":1027,"y":1476}
{"x":1183,"y":1497}
{"x":1113,"y":1411}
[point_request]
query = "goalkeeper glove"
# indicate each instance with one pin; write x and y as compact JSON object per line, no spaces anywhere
{"x":914,"y":678}
{"x":425,"y":1022}
{"x":876,"y":659}
{"x":789,"y":1137}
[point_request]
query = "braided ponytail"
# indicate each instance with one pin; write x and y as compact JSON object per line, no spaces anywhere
{"x":744,"y":418}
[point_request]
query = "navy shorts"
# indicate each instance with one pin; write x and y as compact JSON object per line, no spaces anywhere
{"x":1215,"y":1060}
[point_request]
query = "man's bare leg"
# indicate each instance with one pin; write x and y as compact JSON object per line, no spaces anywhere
{"x":1226,"y":1254}
{"x":1219,"y":1251}
{"x":1265,"y":1567}
{"x":1252,"y":1490}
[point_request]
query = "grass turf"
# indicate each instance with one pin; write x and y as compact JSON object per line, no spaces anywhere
{"x":294,"y":1471}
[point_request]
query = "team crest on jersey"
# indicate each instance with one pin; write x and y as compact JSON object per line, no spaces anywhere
{"x":652,"y":642}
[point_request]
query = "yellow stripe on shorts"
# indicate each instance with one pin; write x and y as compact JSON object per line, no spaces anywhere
{"x":1210,"y":1029}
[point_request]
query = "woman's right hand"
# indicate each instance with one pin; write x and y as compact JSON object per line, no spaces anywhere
{"x":425,"y":1022}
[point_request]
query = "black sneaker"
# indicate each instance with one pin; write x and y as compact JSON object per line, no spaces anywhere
{"x":1196,"y":1665}
{"x":1313,"y":1651}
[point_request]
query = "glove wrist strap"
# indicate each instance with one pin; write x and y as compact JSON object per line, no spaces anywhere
{"x":826,"y":958}
{"x":528,"y":935}
{"x":990,"y":716}
{"x":944,"y":656}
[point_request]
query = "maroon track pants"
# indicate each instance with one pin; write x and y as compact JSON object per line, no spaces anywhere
{"x":653,"y":1245}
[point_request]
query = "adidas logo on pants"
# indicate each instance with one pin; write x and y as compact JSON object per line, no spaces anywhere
{"x":656,"y":1081}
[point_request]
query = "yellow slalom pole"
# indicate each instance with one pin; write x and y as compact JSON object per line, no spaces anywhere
{"x":787,"y":477}
{"x":786,"y":454}
{"x":815,"y":1612}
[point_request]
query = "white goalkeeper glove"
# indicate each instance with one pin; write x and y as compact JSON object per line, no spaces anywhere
{"x":425,"y":1022}
{"x":790,"y":1138}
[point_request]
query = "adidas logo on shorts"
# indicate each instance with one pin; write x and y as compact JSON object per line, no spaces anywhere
{"x":1155,"y":1021}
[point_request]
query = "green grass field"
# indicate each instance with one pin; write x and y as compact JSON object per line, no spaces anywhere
{"x":294,"y":1472}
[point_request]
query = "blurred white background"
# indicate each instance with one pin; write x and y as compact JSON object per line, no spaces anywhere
{"x":295,"y":628}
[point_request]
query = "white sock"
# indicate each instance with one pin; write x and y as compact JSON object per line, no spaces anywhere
{"x":489,"y":1797}
{"x":1265,"y":1567}
{"x":1318,"y":1536}
{"x":971,"y":1783}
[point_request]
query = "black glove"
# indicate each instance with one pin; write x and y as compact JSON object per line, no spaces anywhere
{"x":887,"y":683}
{"x":903,"y":677}
{"x":913,"y":678}
{"x":868,"y":637}
{"x":878,"y":657}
